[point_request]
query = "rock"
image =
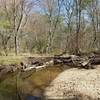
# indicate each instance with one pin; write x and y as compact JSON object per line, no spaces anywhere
{"x":75,"y":84}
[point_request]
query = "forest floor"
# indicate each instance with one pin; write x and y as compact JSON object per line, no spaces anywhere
{"x":10,"y":59}
{"x":13,"y":59}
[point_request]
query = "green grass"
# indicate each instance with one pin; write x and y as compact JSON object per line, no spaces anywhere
{"x":11,"y":59}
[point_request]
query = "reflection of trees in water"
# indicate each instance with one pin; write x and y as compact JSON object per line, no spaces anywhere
{"x":23,"y":85}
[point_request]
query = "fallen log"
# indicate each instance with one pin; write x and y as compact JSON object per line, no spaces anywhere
{"x":71,"y":60}
{"x":95,"y":60}
{"x":37,"y":65}
{"x":83,"y":61}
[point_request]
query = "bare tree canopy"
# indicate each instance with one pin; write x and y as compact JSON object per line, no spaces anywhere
{"x":49,"y":26}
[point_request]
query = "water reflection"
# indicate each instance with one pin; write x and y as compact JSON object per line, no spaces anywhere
{"x":31,"y":83}
{"x":33,"y":98}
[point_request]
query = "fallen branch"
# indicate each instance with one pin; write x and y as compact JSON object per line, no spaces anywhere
{"x":83,"y":61}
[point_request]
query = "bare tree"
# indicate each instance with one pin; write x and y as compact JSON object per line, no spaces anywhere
{"x":78,"y":4}
{"x":52,"y":9}
{"x":17,"y":12}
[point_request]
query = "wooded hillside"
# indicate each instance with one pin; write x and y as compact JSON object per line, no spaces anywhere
{"x":49,"y":26}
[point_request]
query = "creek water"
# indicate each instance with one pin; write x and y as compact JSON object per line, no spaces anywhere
{"x":27,"y":85}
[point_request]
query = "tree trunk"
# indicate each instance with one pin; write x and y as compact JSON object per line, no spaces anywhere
{"x":15,"y":45}
{"x":78,"y":22}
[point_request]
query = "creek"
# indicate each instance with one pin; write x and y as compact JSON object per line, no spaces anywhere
{"x":28,"y":85}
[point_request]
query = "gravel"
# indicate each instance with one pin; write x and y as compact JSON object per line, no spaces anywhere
{"x":75,"y":84}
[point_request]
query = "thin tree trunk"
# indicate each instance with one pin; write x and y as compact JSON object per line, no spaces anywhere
{"x":16,"y":51}
{"x":78,"y":22}
{"x":93,"y":23}
{"x":77,"y":28}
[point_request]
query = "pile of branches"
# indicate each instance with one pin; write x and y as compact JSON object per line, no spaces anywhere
{"x":84,"y":61}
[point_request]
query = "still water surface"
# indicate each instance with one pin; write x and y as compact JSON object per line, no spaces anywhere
{"x":27,"y":85}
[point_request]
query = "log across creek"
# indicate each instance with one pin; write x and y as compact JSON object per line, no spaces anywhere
{"x":83,"y":61}
{"x":38,"y":63}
